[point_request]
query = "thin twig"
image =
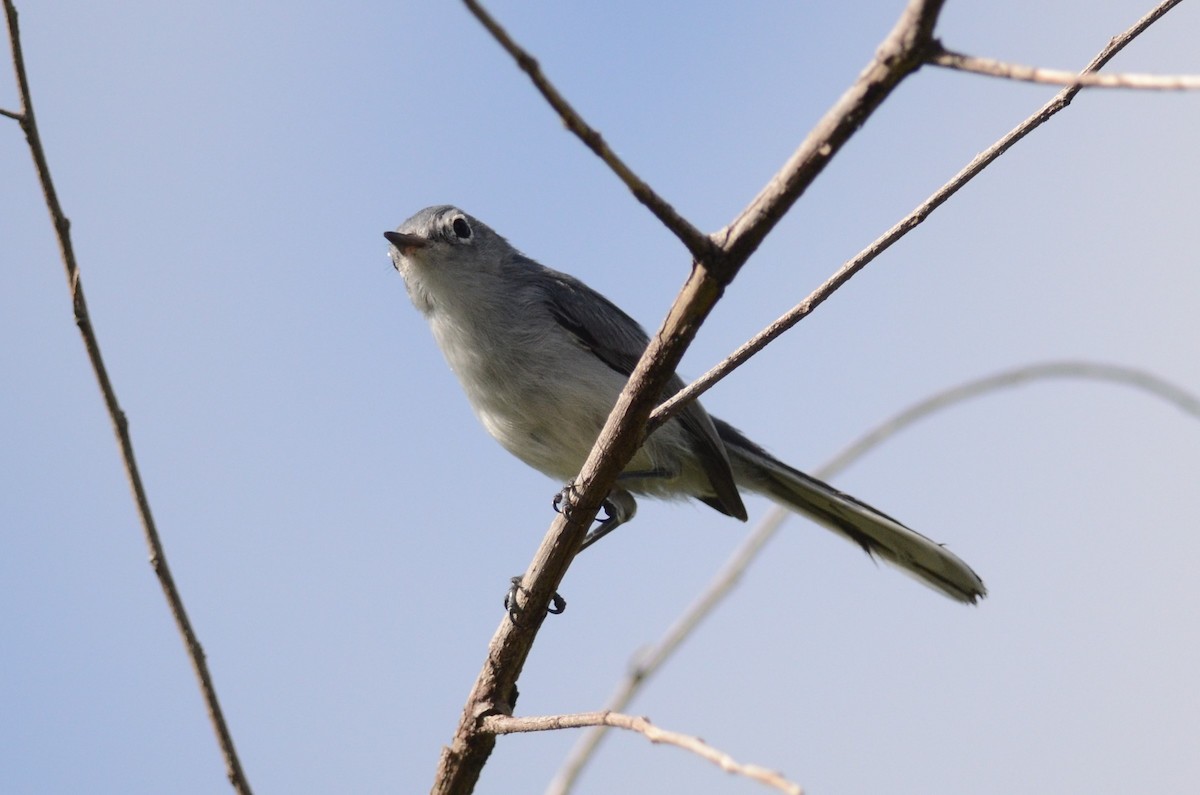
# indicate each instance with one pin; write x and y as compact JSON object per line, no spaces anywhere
{"x":501,"y":724}
{"x":11,"y":115}
{"x":900,"y":54}
{"x":723,"y":583}
{"x":696,"y":241}
{"x":793,"y":316}
{"x":1036,"y":74}
{"x":158,"y":560}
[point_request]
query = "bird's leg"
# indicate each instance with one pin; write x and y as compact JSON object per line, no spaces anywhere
{"x":563,"y":503}
{"x":619,"y":508}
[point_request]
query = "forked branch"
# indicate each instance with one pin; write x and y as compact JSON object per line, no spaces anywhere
{"x":905,"y":225}
{"x":902,"y":52}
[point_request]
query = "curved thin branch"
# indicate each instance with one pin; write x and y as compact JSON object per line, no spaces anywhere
{"x":1034,"y":74}
{"x":158,"y":559}
{"x":914,"y":219}
{"x":1045,"y":371}
{"x":731,"y":573}
{"x":501,"y":724}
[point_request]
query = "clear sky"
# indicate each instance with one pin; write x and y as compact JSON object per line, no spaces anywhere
{"x":341,"y":528}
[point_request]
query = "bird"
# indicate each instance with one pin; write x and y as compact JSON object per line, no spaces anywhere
{"x":542,"y":358}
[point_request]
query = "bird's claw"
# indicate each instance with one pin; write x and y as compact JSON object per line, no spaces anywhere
{"x":564,"y":501}
{"x":510,"y":598}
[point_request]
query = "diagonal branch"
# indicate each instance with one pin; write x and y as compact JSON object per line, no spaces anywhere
{"x":696,"y":241}
{"x":901,"y":53}
{"x":906,"y":47}
{"x":914,"y":219}
{"x":1035,"y":74}
{"x":158,"y":560}
{"x":723,"y":583}
{"x":501,"y":724}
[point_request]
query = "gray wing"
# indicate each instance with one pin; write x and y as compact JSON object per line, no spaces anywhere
{"x":618,"y":341}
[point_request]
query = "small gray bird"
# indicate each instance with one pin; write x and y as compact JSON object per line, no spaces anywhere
{"x":542,"y":358}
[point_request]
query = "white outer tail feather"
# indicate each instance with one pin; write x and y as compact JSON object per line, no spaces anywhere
{"x":875,"y":532}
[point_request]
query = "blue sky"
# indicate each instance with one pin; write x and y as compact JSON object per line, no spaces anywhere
{"x":342,"y":530}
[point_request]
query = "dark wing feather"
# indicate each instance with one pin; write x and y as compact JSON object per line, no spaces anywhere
{"x":618,"y":341}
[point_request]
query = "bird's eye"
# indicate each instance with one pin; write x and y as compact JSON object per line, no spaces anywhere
{"x":461,"y":228}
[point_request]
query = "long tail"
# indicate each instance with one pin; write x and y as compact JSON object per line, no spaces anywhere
{"x":877,"y":533}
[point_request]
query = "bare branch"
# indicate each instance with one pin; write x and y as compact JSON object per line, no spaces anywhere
{"x":648,"y":663}
{"x":696,"y":241}
{"x":158,"y":560}
{"x":1088,"y":371}
{"x":914,"y":219}
{"x":901,"y":53}
{"x":11,"y":115}
{"x":506,"y":725}
{"x":1035,"y":74}
{"x":723,"y":583}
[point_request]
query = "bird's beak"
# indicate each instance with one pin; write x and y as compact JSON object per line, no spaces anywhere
{"x":405,"y":242}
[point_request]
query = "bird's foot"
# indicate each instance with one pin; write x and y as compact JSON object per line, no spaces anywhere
{"x":516,"y":589}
